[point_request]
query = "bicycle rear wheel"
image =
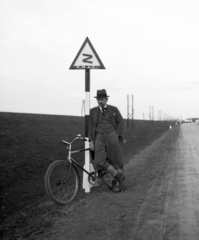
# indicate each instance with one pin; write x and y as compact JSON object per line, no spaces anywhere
{"x":62,"y":182}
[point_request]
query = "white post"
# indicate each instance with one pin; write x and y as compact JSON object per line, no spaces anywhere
{"x":86,"y":184}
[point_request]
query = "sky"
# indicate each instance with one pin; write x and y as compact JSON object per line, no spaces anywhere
{"x":150,"y":49}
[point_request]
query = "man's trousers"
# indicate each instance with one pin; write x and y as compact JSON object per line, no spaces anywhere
{"x":107,"y":151}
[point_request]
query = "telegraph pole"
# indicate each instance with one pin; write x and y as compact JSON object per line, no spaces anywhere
{"x":150,"y":113}
{"x":127,"y":110}
{"x":130,"y":115}
{"x":132,"y":112}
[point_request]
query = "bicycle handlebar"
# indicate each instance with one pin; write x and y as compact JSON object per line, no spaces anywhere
{"x":76,"y":138}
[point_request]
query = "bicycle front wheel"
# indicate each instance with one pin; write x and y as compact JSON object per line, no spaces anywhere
{"x":62,"y":182}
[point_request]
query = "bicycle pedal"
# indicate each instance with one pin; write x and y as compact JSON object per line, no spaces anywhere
{"x":97,"y":182}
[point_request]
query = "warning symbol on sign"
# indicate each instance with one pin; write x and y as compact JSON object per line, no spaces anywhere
{"x":87,"y":58}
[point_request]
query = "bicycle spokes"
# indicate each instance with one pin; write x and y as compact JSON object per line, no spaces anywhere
{"x":62,"y":182}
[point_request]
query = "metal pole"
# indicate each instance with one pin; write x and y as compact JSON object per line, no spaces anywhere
{"x":150,"y":114}
{"x":127,"y":110}
{"x":132,"y":113}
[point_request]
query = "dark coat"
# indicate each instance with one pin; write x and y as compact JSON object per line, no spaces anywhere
{"x":113,"y":115}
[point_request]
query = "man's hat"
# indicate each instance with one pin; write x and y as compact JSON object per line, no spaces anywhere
{"x":101,"y":94}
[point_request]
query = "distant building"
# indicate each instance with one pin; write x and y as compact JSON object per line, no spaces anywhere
{"x":187,"y":120}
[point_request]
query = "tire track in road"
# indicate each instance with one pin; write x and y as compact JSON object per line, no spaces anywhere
{"x":151,"y":223}
{"x":181,"y":222}
{"x":187,"y":176}
{"x":177,"y":216}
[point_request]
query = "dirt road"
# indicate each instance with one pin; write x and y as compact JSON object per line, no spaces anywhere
{"x":161,"y":200}
{"x":185,"y":184}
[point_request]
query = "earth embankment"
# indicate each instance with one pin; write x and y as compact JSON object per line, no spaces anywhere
{"x":143,"y":210}
{"x":29,"y":143}
{"x":161,"y":199}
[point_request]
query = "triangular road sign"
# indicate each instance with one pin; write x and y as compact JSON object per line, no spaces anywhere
{"x":87,"y":58}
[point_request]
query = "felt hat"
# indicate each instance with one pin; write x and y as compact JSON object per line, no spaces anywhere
{"x":101,"y":94}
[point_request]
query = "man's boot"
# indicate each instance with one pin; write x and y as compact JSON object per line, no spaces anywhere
{"x":120,"y":179}
{"x":115,"y":186}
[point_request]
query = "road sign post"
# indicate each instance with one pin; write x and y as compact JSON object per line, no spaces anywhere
{"x":86,"y":59}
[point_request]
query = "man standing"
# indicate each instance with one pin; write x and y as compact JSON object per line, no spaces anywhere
{"x":105,"y":132}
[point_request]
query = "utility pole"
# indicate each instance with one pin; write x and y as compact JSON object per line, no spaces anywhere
{"x":132,"y":112}
{"x":127,"y":110}
{"x":130,"y":115}
{"x":150,"y":113}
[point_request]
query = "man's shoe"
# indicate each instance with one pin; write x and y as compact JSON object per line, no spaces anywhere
{"x":120,"y":179}
{"x":115,"y":186}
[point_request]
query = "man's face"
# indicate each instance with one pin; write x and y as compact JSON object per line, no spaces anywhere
{"x":102,"y":101}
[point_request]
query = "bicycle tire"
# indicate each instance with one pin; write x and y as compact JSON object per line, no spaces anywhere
{"x":62,"y":182}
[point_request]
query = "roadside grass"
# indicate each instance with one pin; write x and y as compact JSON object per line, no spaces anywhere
{"x":29,"y":143}
{"x":33,"y":223}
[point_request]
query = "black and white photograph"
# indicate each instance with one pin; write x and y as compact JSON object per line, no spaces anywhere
{"x":99,"y":119}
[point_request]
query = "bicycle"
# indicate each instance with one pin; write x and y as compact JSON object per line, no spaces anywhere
{"x":62,"y":179}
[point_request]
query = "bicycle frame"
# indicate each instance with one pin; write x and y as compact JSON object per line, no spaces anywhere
{"x":70,"y":152}
{"x":63,"y":188}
